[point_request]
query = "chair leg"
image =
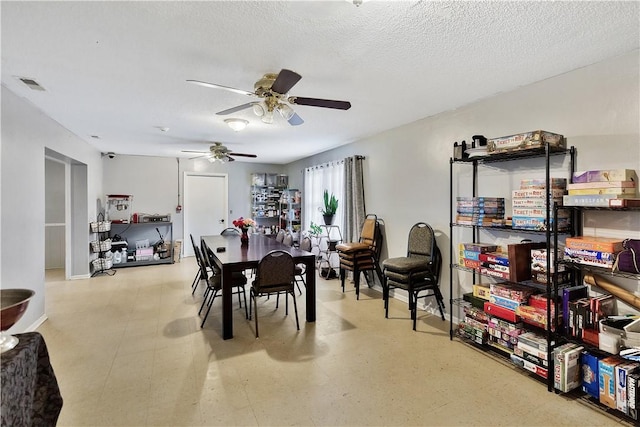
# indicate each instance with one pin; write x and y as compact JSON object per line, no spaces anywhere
{"x":356,"y":280}
{"x":239,"y":300}
{"x":385,"y":297}
{"x":204,"y":299}
{"x":440,"y":301}
{"x":195,"y":283}
{"x":414,"y":310}
{"x":343,"y":274}
{"x":286,"y":303}
{"x":244,"y":294}
{"x":295,"y":308}
{"x":213,"y":297}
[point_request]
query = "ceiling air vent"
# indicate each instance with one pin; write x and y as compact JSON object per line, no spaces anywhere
{"x":32,"y":84}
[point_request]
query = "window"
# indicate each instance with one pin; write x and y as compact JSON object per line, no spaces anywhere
{"x":329,"y":176}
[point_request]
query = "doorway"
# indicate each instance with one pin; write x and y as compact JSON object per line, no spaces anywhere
{"x":66,"y":229}
{"x":205,"y":206}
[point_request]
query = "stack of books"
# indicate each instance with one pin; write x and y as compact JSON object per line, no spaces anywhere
{"x":593,"y":251}
{"x":479,"y":210}
{"x":529,"y":204}
{"x":603,"y":188}
{"x":485,"y":258}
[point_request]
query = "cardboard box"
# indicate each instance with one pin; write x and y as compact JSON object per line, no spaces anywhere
{"x":633,"y":394}
{"x":622,"y":373}
{"x":590,"y":373}
{"x":605,"y":175}
{"x":607,"y":380}
{"x":482,"y":291}
{"x":526,"y":141}
{"x":501,"y":312}
{"x":520,"y":260}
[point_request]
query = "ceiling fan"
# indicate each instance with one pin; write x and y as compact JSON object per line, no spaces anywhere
{"x":272,"y":89}
{"x":220,"y":153}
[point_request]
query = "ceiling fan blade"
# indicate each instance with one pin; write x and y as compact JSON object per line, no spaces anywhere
{"x":295,"y":120}
{"x":230,"y":159}
{"x":193,"y":151}
{"x":235,"y":109}
{"x":285,"y":81}
{"x":315,"y":102}
{"x":215,"y":86}
{"x":253,"y":156}
{"x":198,"y":157}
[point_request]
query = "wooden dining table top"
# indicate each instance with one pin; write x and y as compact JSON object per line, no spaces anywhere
{"x":259,"y":245}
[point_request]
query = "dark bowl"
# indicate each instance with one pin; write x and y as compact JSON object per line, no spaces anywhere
{"x":14,"y":303}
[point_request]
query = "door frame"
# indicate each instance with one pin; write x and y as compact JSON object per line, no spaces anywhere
{"x":225,"y":200}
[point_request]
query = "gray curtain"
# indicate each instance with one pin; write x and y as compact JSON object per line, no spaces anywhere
{"x":354,"y":208}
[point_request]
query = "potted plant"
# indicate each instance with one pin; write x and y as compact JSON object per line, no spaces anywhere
{"x":330,"y":207}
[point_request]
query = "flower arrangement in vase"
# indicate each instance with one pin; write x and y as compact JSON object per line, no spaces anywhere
{"x":244,"y":224}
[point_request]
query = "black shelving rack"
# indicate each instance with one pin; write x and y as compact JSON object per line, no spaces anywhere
{"x":578,"y":272}
{"x":546,"y":152}
{"x":102,"y":246}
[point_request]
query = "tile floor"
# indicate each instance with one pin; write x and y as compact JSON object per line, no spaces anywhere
{"x":128,"y":351}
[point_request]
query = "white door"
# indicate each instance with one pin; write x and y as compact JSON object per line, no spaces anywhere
{"x":205,"y":206}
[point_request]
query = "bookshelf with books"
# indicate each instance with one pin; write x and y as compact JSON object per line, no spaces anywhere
{"x":497,"y":291}
{"x":599,"y":310}
{"x":266,"y":192}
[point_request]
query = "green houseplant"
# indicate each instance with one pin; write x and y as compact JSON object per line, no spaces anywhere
{"x":330,"y":207}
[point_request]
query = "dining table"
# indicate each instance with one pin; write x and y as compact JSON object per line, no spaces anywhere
{"x":231,"y":256}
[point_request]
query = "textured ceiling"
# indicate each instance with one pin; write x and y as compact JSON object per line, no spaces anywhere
{"x":117,"y":70}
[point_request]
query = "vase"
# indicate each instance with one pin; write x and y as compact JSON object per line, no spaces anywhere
{"x":244,"y":238}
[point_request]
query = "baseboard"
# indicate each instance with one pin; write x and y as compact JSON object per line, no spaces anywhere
{"x":37,"y":323}
{"x":403,"y":296}
{"x":80,"y":276}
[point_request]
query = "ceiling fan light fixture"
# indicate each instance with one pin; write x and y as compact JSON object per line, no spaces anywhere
{"x":258,"y":109}
{"x":285,"y":111}
{"x":216,"y":158}
{"x":267,"y":117}
{"x":236,"y":124}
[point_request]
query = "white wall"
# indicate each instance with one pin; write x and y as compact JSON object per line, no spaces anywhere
{"x":407,"y":168}
{"x":154,"y":183}
{"x":26,"y":132}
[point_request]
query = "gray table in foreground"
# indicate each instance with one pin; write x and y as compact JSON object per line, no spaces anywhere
{"x":238,"y":258}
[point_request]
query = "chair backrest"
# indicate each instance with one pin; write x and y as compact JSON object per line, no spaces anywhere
{"x":305,"y":244}
{"x":280,"y":236}
{"x":371,"y":234}
{"x":276,"y":271}
{"x":198,"y":253}
{"x":422,"y":243}
{"x":368,"y":232}
{"x":207,"y":258}
{"x":288,"y":239}
{"x":201,"y":263}
{"x":230,"y":231}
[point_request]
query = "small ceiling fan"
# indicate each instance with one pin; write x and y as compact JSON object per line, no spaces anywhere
{"x":272,"y":89}
{"x":218,"y":152}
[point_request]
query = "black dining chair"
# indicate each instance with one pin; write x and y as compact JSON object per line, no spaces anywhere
{"x":214,"y":282}
{"x":199,"y":275}
{"x":416,"y":273}
{"x":275,"y":274}
{"x":230,"y":231}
